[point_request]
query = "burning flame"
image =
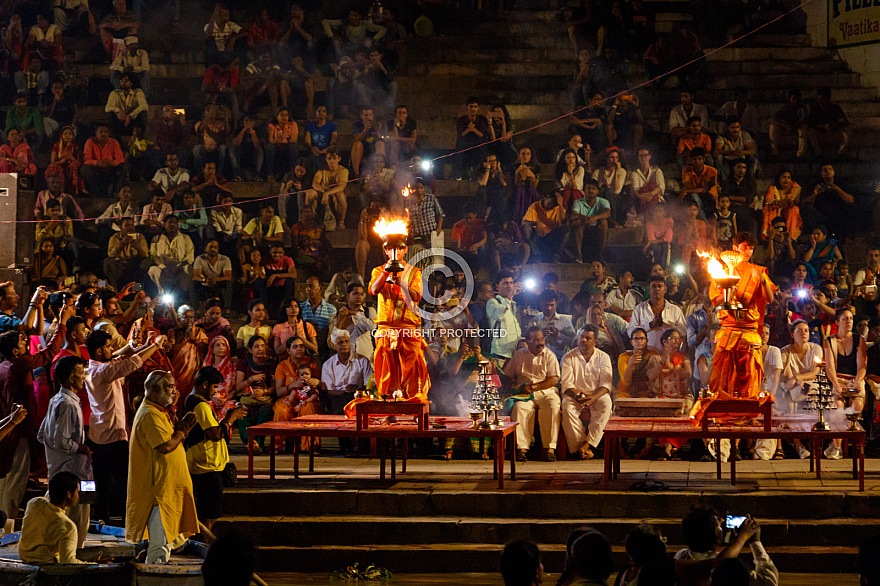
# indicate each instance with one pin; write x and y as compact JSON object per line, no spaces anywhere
{"x":406,"y":191}
{"x":718,"y":269}
{"x":817,"y":360}
{"x":385,"y":227}
{"x":713,"y":265}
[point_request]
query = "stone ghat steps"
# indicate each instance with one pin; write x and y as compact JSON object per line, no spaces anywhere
{"x":307,"y":531}
{"x":483,"y":557}
{"x":561,"y":504}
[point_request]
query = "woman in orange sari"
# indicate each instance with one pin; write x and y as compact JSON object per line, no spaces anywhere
{"x":190,"y":344}
{"x":291,"y":382}
{"x":16,"y":156}
{"x":66,"y":159}
{"x":782,"y":199}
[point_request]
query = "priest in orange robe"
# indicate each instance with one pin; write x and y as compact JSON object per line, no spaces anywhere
{"x":737,"y":366}
{"x":399,"y":360}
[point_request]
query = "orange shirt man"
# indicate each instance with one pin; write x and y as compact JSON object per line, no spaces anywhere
{"x":737,"y":366}
{"x":399,"y":359}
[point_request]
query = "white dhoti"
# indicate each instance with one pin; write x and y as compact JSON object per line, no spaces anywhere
{"x":546,"y":404}
{"x":576,"y":435}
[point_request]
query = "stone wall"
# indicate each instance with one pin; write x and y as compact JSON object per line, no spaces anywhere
{"x":864,"y":59}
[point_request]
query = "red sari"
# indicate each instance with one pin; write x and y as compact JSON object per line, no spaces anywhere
{"x":24,"y":157}
{"x":224,"y":399}
{"x":69,"y":170}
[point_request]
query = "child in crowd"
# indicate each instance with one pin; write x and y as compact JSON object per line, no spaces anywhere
{"x":725,"y":223}
{"x":844,"y":279}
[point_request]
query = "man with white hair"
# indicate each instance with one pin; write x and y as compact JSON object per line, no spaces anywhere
{"x":342,"y":375}
{"x":586,"y":384}
{"x":160,"y":490}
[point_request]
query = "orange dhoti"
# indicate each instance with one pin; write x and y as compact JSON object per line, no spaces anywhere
{"x":738,"y":371}
{"x":399,"y":363}
{"x":737,"y":365}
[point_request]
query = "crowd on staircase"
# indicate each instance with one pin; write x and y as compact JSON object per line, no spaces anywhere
{"x":152,"y":329}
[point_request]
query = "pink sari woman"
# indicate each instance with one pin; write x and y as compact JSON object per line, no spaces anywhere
{"x":16,"y":156}
{"x":220,"y":357}
{"x":66,"y":159}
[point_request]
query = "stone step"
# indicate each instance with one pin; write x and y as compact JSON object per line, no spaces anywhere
{"x":834,"y":81}
{"x":774,"y":67}
{"x":472,"y":557}
{"x":778,"y":40}
{"x":299,"y":531}
{"x":766,"y":504}
{"x":738,"y":53}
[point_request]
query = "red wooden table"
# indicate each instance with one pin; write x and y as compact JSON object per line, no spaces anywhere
{"x":783,"y":427}
{"x":339,"y":426}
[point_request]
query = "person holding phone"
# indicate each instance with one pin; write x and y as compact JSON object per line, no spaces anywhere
{"x":62,"y":434}
{"x":48,"y":536}
{"x":704,"y":531}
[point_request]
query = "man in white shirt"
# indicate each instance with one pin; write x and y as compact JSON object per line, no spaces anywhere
{"x":622,"y":300}
{"x":501,"y":311}
{"x":212,"y":274}
{"x":170,"y":179}
{"x":586,"y":384}
{"x":679,"y":115}
{"x":172,"y":254}
{"x":226,"y":225}
{"x":110,"y":221}
{"x":557,"y":328}
{"x":867,"y":275}
{"x":535,"y":372}
{"x":62,"y":434}
{"x":656,"y":316}
{"x":343,"y":374}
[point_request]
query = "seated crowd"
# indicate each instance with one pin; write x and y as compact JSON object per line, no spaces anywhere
{"x":109,"y":357}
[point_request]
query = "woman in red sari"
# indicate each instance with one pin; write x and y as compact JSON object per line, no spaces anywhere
{"x":66,"y":159}
{"x":220,"y":357}
{"x":16,"y":156}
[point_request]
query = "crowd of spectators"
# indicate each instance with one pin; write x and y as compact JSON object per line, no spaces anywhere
{"x":190,"y":253}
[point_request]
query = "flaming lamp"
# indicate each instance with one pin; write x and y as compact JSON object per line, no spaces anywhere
{"x":393,"y":235}
{"x":820,"y":397}
{"x":722,"y":272}
{"x":485,"y":399}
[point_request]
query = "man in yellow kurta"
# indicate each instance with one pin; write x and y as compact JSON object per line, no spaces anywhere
{"x":160,"y":492}
{"x":737,"y":365}
{"x":399,"y":360}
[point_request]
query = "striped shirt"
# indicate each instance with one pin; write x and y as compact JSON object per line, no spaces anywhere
{"x":320,"y":318}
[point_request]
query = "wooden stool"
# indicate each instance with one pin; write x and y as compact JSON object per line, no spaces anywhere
{"x":366,"y":409}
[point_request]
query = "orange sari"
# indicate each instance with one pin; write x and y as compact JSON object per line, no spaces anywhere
{"x":186,"y":360}
{"x":283,"y":408}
